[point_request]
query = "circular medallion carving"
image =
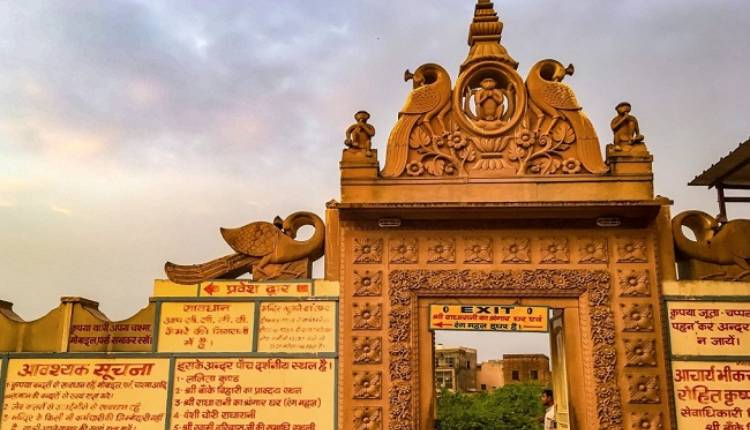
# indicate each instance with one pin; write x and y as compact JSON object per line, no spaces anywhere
{"x":489,"y":99}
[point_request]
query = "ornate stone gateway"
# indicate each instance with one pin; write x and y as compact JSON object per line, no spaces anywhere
{"x":493,"y":193}
{"x":495,"y":189}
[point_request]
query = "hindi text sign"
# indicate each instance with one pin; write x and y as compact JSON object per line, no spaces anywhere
{"x":91,"y":394}
{"x":489,"y":318}
{"x":206,"y":327}
{"x":712,"y":395}
{"x":709,"y":328}
{"x":254,"y":393}
{"x":305,"y":326}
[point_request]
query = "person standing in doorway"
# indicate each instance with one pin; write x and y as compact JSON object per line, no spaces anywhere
{"x":548,"y":400}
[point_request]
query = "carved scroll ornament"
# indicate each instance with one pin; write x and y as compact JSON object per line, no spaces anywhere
{"x":492,"y":123}
{"x":267,"y":250}
{"x":405,"y":285}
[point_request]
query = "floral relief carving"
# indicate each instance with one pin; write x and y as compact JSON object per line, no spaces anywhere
{"x":368,"y":283}
{"x":400,"y":365}
{"x":367,"y":250}
{"x":478,"y":250}
{"x":404,"y":250}
{"x":368,"y":418}
{"x":644,"y":388}
{"x":551,"y":283}
{"x":640,"y":352}
{"x":593,"y":250}
{"x":367,"y":350}
{"x":441,"y":251}
{"x":555,"y":250}
{"x":400,"y":402}
{"x":368,"y":316}
{"x":634,"y":283}
{"x":637,"y":317}
{"x":367,"y":385}
{"x":631,"y":250}
{"x":516,"y":250}
{"x":645,"y":421}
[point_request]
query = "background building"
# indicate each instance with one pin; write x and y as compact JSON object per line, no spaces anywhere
{"x":455,"y":368}
{"x":511,"y":369}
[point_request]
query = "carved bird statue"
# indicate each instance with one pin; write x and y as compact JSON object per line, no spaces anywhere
{"x":256,"y":244}
{"x":724,"y":244}
{"x":430,"y":97}
{"x":550,"y":97}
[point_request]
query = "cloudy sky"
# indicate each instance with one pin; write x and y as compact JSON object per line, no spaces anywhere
{"x":131,"y":130}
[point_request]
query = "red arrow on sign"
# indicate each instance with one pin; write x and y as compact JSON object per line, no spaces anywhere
{"x":211,"y":289}
{"x":440,"y":324}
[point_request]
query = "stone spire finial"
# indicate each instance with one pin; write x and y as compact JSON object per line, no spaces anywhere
{"x":484,"y":36}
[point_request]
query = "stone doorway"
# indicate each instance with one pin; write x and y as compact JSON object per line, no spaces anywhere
{"x":556,"y":349}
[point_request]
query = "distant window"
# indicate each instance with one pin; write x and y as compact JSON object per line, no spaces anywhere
{"x":468,"y":364}
{"x":534,"y":375}
{"x":484,"y":387}
{"x":449,"y":362}
{"x":515,"y":376}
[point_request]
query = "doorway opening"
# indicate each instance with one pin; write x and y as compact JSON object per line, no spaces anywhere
{"x":493,"y":376}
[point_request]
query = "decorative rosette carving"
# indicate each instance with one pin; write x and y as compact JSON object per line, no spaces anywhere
{"x":368,"y":283}
{"x":640,"y":352}
{"x":593,"y":250}
{"x":516,"y":250}
{"x":478,"y":250}
{"x":367,"y":350}
{"x":404,"y":250}
{"x":367,"y":385}
{"x":631,"y":250}
{"x":645,"y":421}
{"x":555,"y":250}
{"x":441,"y":251}
{"x":637,"y":317}
{"x":367,"y":250}
{"x":368,"y":418}
{"x":634,"y":283}
{"x":367,"y":316}
{"x":644,"y":389}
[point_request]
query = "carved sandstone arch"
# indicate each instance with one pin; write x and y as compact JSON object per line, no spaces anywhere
{"x":592,"y":286}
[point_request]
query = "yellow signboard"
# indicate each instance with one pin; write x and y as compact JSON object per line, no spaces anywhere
{"x":709,"y":328}
{"x":489,"y":318}
{"x":240,"y":288}
{"x":712,"y":395}
{"x":297,"y":327}
{"x":254,"y":393}
{"x":206,"y":327}
{"x":85,"y":394}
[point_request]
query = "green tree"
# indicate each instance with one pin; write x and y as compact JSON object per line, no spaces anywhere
{"x":511,"y":407}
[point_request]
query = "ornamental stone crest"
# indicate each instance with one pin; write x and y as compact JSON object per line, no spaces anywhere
{"x":492,"y":122}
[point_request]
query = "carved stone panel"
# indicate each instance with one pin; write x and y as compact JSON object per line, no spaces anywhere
{"x":640,"y":352}
{"x":634,"y":283}
{"x":637,"y":317}
{"x":644,"y":389}
{"x":593,"y":250}
{"x":367,"y":250}
{"x":631,"y":250}
{"x":516,"y":250}
{"x":367,"y":385}
{"x":441,"y":251}
{"x":368,"y":418}
{"x":367,"y":350}
{"x":478,"y":250}
{"x":367,"y":316}
{"x":368,"y":283}
{"x":404,"y":250}
{"x":645,"y":421}
{"x":555,"y":250}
